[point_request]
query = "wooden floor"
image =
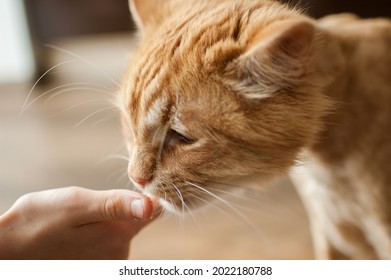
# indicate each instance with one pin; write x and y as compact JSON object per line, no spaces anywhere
{"x":42,"y":149}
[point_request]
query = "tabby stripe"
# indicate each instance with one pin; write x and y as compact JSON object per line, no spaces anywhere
{"x":148,"y":72}
{"x":138,"y":92}
{"x":153,"y":77}
{"x":154,"y":72}
{"x":164,"y":82}
{"x":203,"y":32}
{"x":154,"y":113}
{"x":143,"y":66}
{"x":159,"y":49}
{"x":156,"y":58}
{"x":148,"y":58}
{"x":154,"y":86}
{"x":148,"y":96}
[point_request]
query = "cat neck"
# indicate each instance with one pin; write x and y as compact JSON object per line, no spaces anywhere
{"x":332,"y":67}
{"x":360,"y":105}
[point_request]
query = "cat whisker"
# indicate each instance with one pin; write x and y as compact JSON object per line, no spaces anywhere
{"x":80,"y":70}
{"x":210,"y":193}
{"x":233,"y":217}
{"x":224,"y":184}
{"x":91,"y":115}
{"x":161,"y":145}
{"x":165,"y":199}
{"x":247,"y":187}
{"x":104,"y":73}
{"x":123,"y":176}
{"x":39,"y":79}
{"x":299,"y":6}
{"x":113,"y":157}
{"x":115,"y":173}
{"x":155,"y":136}
{"x":184,"y":206}
{"x":73,"y":89}
{"x":223,"y":201}
{"x":163,"y":208}
{"x":201,"y":213}
{"x":235,"y":192}
{"x":76,"y":106}
{"x":133,"y":187}
{"x":195,"y":214}
{"x":236,"y":200}
{"x":224,"y":212}
{"x":70,"y":88}
{"x":179,"y":212}
{"x":236,"y":196}
{"x":171,"y":202}
{"x":105,"y":119}
{"x":261,"y":196}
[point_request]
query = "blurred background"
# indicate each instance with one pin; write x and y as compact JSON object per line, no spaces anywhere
{"x":61,"y":63}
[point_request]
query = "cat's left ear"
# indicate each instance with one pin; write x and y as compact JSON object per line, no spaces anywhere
{"x":148,"y":14}
{"x":276,"y":60}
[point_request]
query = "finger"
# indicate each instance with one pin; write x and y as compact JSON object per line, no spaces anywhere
{"x":157,"y":208}
{"x":118,"y":205}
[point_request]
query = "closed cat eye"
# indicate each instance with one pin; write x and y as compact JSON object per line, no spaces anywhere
{"x":174,"y":137}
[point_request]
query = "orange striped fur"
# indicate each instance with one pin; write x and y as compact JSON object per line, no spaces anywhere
{"x":224,"y":91}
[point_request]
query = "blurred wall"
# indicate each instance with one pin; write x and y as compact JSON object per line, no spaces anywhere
{"x":366,"y":9}
{"x":16,"y":59}
{"x":53,"y":19}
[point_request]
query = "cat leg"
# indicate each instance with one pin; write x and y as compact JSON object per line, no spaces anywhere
{"x":379,"y":235}
{"x":327,"y":239}
{"x":323,"y":247}
{"x":334,"y":238}
{"x":308,"y":193}
{"x":333,"y":219}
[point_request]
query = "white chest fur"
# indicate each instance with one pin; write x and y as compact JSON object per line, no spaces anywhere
{"x":339,"y":221}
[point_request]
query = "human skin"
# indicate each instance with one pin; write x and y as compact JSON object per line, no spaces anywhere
{"x":73,"y":223}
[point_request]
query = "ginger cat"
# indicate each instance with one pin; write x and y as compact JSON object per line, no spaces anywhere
{"x":222,"y":91}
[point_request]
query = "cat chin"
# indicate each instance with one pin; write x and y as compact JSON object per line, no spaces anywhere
{"x":164,"y":204}
{"x":170,"y":206}
{"x":253,"y":181}
{"x":167,"y":206}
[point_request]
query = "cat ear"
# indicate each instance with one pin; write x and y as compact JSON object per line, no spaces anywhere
{"x":148,"y":13}
{"x":276,"y":61}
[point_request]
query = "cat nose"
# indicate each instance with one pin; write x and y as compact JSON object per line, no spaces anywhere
{"x":141,"y":181}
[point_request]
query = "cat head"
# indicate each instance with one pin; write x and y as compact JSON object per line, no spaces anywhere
{"x":218,"y":91}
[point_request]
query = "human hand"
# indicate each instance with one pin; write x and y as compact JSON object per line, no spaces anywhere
{"x":73,"y":223}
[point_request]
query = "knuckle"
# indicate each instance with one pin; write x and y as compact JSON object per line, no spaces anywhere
{"x":112,"y":209}
{"x":25,"y":199}
{"x":74,"y":195}
{"x":75,"y":191}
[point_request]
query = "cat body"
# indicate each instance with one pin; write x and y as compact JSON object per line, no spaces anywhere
{"x":224,"y":91}
{"x":345,"y":178}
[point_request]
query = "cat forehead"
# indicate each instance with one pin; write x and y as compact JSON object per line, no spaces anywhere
{"x":186,"y":38}
{"x":173,"y":62}
{"x":154,"y":90}
{"x":150,"y":110}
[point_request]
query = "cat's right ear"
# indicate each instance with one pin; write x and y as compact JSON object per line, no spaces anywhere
{"x":275,"y":61}
{"x":147,"y":14}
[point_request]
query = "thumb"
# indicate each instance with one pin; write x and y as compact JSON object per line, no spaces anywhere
{"x":119,"y":205}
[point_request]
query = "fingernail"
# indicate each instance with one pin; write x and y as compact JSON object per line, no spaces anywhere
{"x":137,"y":209}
